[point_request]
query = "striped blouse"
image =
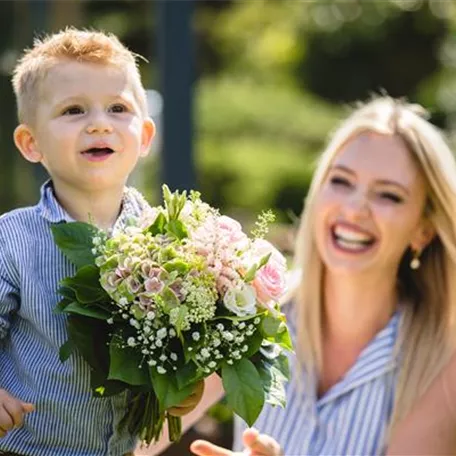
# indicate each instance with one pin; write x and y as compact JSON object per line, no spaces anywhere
{"x":67,"y":420}
{"x":349,"y":419}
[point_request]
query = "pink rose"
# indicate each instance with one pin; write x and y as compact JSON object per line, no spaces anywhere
{"x":270,"y":280}
{"x":231,"y":230}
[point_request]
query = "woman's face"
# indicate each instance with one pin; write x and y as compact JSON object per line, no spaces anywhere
{"x":370,"y":207}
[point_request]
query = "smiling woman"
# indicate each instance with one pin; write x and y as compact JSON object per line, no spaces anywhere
{"x":373,"y":305}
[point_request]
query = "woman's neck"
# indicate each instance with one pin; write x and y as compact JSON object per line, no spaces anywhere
{"x":356,"y":309}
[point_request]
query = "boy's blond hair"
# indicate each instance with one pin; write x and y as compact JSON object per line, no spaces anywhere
{"x":70,"y":44}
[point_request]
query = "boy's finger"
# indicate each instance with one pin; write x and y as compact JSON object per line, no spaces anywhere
{"x":205,"y":448}
{"x":6,"y":422}
{"x":15,"y":411}
{"x":27,"y":407}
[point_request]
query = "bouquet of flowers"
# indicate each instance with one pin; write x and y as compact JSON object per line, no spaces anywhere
{"x":177,"y":294}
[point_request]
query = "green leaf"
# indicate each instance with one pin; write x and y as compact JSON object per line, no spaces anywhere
{"x":92,"y":311}
{"x":253,"y":344}
{"x":124,"y":366}
{"x":66,"y":350}
{"x":158,"y":227}
{"x":187,"y":374}
{"x":273,"y":383}
{"x":170,"y":300}
{"x":86,"y":285}
{"x":269,"y":326}
{"x":283,"y":337}
{"x":166,"y":389}
{"x":177,"y":229}
{"x":244,"y":391}
{"x":102,"y":387}
{"x":177,"y":265}
{"x":183,"y":311}
{"x":75,"y":241}
{"x":250,"y":275}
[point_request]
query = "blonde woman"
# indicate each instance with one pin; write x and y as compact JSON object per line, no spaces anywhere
{"x":373,"y":309}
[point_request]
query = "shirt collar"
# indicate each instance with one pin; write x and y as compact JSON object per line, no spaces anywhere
{"x":133,"y":204}
{"x":377,"y":358}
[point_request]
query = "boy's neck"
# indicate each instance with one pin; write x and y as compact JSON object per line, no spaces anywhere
{"x":100,"y":208}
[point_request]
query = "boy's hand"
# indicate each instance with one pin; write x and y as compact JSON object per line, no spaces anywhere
{"x":190,"y":403}
{"x":12,"y":412}
{"x":256,"y":444}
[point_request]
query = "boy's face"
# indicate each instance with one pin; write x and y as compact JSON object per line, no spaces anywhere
{"x":89,"y":130}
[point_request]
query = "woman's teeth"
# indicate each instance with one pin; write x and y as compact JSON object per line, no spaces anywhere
{"x":351,"y":240}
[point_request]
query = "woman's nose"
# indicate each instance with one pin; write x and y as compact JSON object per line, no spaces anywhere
{"x":357,"y":206}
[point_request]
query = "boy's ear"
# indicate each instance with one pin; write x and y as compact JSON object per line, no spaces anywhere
{"x":26,"y":143}
{"x":148,"y":134}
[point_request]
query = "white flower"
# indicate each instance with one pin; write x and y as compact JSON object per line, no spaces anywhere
{"x":159,"y":343}
{"x":150,"y":315}
{"x":205,"y":353}
{"x":173,"y":356}
{"x":131,"y":341}
{"x":161,"y":370}
{"x":152,"y":362}
{"x":146,"y":330}
{"x":241,"y":301}
{"x":123,"y":301}
{"x":161,"y":333}
{"x":134,"y":323}
{"x":228,"y":336}
{"x":216,"y":342}
{"x":110,"y":321}
{"x":172,"y":333}
{"x":212,"y":364}
{"x":163,"y":357}
{"x":196,"y":336}
{"x":220,"y":327}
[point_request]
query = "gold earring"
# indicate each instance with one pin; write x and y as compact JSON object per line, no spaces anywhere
{"x":415,"y":263}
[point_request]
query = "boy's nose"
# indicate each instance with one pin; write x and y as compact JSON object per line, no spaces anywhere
{"x":99,"y":124}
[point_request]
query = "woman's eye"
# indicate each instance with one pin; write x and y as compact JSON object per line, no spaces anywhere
{"x":337,"y":180}
{"x":73,"y":110}
{"x":118,"y":107}
{"x":392,"y":197}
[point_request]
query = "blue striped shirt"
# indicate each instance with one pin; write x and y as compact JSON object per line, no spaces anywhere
{"x":67,"y":420}
{"x":349,"y":419}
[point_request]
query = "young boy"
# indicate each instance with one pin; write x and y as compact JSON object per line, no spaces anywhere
{"x":83,"y":116}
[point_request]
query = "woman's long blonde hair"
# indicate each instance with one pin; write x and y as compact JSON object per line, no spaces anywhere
{"x":425,"y":337}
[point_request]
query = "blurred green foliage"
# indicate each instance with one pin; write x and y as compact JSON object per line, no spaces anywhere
{"x":273,"y":79}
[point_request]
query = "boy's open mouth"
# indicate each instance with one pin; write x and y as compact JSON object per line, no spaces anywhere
{"x":98,"y":151}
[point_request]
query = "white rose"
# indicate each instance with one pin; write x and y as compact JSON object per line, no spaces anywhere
{"x":241,"y":301}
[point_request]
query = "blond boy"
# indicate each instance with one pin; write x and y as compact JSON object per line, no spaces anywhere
{"x":83,"y":116}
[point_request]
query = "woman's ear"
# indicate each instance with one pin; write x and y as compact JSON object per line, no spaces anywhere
{"x":26,"y":143}
{"x":423,"y":236}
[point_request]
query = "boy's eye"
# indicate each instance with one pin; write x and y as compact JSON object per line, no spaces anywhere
{"x":338,"y":180}
{"x":391,"y":197}
{"x":118,"y":107}
{"x":72,"y":110}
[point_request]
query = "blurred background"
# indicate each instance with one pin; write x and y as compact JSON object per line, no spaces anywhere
{"x":244,"y":94}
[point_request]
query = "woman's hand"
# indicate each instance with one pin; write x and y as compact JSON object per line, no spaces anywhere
{"x":256,"y":444}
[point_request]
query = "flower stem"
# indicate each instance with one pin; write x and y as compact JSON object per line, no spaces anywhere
{"x":174,"y":427}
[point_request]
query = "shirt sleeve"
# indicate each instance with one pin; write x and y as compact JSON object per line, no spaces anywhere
{"x":9,"y":292}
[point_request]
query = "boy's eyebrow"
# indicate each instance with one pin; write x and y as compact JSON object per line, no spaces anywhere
{"x":379,"y":181}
